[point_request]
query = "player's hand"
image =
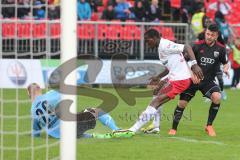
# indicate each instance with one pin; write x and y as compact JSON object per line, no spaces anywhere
{"x":228,"y":75}
{"x":225,"y":70}
{"x":195,"y":79}
{"x":197,"y":71}
{"x":154,"y":80}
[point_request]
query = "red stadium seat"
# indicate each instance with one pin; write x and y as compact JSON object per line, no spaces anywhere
{"x":8,"y":30}
{"x":126,"y":33}
{"x":112,"y":32}
{"x":175,"y":3}
{"x":137,"y":33}
{"x":55,"y":30}
{"x":167,"y":33}
{"x":24,"y":30}
{"x":102,"y":29}
{"x":210,"y":14}
{"x":85,"y":31}
{"x":39,"y":30}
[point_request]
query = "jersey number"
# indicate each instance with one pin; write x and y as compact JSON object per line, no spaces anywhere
{"x":40,"y":113}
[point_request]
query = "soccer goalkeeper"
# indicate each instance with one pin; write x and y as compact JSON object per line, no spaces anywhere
{"x":44,"y":115}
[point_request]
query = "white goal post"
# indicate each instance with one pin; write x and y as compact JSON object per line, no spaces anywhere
{"x":68,"y":51}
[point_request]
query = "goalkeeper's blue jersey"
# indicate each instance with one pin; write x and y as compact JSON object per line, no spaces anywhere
{"x":43,"y":114}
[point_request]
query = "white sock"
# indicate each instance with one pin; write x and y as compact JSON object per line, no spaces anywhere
{"x":157,"y":118}
{"x":143,"y":118}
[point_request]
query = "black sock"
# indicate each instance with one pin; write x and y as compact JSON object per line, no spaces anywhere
{"x":177,"y":116}
{"x":212,"y":113}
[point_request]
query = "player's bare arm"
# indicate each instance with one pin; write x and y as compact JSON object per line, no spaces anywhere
{"x":155,"y":79}
{"x":194,"y":66}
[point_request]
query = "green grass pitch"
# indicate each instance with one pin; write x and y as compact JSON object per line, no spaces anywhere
{"x":190,"y":143}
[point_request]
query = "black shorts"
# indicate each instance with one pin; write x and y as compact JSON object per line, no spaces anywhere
{"x":207,"y":88}
{"x":86,"y":120}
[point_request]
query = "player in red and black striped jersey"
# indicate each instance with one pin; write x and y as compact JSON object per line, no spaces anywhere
{"x":210,"y":54}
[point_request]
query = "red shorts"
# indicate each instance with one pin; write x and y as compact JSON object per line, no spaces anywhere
{"x":177,"y":87}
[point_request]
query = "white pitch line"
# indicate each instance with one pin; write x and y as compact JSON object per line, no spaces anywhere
{"x":198,"y":141}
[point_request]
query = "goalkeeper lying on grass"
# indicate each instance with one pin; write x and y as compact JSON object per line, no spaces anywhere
{"x":44,"y":116}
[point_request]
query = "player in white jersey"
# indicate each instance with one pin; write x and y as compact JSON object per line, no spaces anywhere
{"x":178,"y":79}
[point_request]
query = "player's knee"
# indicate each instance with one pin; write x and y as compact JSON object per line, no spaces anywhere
{"x":216,"y":97}
{"x":182,"y":104}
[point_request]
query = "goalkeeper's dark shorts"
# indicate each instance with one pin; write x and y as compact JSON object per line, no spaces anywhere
{"x":86,"y":120}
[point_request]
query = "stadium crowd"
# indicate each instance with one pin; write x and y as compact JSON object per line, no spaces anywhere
{"x":185,"y":11}
{"x":138,"y":10}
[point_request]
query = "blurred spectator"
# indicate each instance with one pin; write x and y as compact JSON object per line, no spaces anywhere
{"x":234,"y":57}
{"x":139,"y":11}
{"x":50,"y":2}
{"x":122,"y":10}
{"x":109,"y":13}
{"x":154,"y":13}
{"x":24,"y":10}
{"x":224,"y":28}
{"x":93,"y":5}
{"x":53,"y":12}
{"x":199,"y":20}
{"x":53,"y":2}
{"x":56,"y":2}
{"x":175,"y":9}
{"x":188,"y":5}
{"x":8,"y":9}
{"x":188,"y":8}
{"x":83,"y":10}
{"x":38,"y":10}
{"x":221,"y":6}
{"x":146,"y":5}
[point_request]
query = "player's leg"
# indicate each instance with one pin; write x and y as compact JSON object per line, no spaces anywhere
{"x":169,"y":92}
{"x":220,"y":81}
{"x":178,"y":112}
{"x":86,"y":120}
{"x":212,"y":91}
{"x":106,"y":119}
{"x":154,"y":127}
{"x":150,"y":111}
{"x":156,"y":121}
{"x":185,"y":97}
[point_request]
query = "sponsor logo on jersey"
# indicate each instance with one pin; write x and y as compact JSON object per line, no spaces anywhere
{"x":205,"y":60}
{"x":216,"y":54}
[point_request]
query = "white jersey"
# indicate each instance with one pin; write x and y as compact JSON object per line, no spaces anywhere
{"x":170,"y":55}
